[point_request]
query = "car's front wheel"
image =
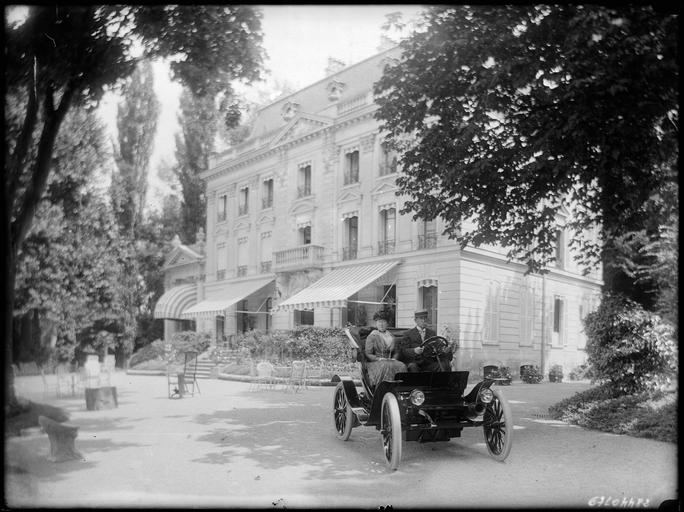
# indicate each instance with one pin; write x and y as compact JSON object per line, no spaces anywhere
{"x":390,"y":428}
{"x":343,"y":415}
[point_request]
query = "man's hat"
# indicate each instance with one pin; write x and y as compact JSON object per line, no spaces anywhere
{"x":421,"y":312}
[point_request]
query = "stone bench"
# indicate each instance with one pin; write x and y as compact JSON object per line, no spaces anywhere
{"x":62,"y":438}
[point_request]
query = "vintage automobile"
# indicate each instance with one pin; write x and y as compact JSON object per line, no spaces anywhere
{"x":420,"y":406}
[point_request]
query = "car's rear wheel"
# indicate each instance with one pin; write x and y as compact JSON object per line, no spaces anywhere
{"x":498,"y":426}
{"x":343,"y":415}
{"x":390,"y":428}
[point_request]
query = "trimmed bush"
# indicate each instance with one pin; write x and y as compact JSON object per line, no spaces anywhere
{"x":190,"y":341}
{"x":581,"y":372}
{"x":629,"y":348}
{"x":556,"y":373}
{"x":149,"y":352}
{"x":311,"y":343}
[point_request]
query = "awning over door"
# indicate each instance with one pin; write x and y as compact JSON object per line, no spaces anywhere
{"x":234,"y":293}
{"x":333,"y":289}
{"x":175,"y":301}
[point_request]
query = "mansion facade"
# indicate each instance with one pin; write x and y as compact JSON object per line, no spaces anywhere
{"x":303,"y":228}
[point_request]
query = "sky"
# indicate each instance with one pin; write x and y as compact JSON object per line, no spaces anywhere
{"x":298,"y":40}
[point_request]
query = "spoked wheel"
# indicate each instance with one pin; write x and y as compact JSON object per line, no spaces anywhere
{"x":390,"y":428}
{"x":498,"y":426}
{"x":342,"y":414}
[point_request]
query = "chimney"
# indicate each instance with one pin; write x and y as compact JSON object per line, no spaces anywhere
{"x":334,"y":65}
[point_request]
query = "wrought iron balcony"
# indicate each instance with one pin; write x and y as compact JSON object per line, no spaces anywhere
{"x":427,"y":241}
{"x":243,"y":210}
{"x":242,"y":271}
{"x":385,"y":247}
{"x":266,"y":267}
{"x":349,"y":253}
{"x":298,"y":258}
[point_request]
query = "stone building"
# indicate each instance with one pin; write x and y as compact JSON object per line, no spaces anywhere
{"x":303,"y":228}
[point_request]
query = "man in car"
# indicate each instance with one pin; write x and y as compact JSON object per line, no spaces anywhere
{"x":411,"y":352}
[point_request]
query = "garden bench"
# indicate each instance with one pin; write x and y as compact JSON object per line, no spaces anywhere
{"x":62,"y":438}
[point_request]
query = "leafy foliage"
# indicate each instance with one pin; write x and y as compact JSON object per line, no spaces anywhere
{"x":137,"y":117}
{"x":506,"y":114}
{"x":581,"y":372}
{"x":148,"y":352}
{"x":631,"y":349}
{"x":650,"y":415}
{"x":198,"y":122}
{"x":65,"y":56}
{"x":190,"y":341}
{"x":70,"y":264}
{"x":531,"y":374}
{"x":311,"y":343}
{"x":556,"y":373}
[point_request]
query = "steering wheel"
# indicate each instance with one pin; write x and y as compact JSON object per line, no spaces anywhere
{"x":434,"y":345}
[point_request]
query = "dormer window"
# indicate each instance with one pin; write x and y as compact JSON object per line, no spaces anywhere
{"x":290,"y":109}
{"x":335,"y":89}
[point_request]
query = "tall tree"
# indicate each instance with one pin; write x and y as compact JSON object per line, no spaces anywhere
{"x":506,"y":113}
{"x":61,"y":56}
{"x":198,"y":119}
{"x":137,"y":116}
{"x":69,"y":267}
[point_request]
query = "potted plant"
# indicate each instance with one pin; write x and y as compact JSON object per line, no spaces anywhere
{"x":531,"y":374}
{"x":556,"y":373}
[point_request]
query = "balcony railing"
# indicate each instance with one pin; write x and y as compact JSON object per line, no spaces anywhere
{"x":427,"y":241}
{"x":242,"y":271}
{"x":243,"y":210}
{"x":352,"y":103}
{"x":297,"y":258}
{"x":266,"y":267}
{"x":220,"y":275}
{"x":385,"y":247}
{"x":303,"y":192}
{"x":349,"y":253}
{"x":221,"y":216}
{"x":266,"y":202}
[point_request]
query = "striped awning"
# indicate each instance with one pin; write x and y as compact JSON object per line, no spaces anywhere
{"x":333,"y":289}
{"x":175,"y":301}
{"x":233,"y":293}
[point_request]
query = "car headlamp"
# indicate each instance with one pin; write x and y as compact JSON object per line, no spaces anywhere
{"x":417,"y":397}
{"x":486,"y":395}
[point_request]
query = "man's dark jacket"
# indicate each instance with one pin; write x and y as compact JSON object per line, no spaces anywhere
{"x":411,"y":340}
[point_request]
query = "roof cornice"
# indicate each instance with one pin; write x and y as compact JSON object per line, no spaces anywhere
{"x":266,"y":150}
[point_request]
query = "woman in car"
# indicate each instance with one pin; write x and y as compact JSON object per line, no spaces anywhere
{"x":381,"y":352}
